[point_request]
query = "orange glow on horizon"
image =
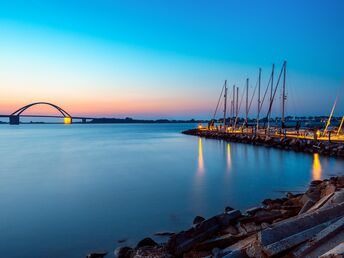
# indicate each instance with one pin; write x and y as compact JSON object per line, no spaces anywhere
{"x":113,"y":108}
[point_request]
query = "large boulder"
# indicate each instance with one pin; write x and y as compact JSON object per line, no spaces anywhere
{"x":123,"y":252}
{"x":96,"y":255}
{"x":146,"y":242}
{"x":198,"y":220}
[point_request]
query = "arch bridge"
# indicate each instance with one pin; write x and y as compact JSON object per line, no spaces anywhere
{"x":14,"y":118}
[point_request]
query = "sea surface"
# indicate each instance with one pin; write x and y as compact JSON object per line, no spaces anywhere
{"x":66,"y":190}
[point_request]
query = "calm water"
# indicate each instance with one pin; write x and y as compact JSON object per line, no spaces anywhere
{"x":68,"y":190}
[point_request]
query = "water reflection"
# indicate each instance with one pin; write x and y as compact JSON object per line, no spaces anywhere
{"x":316,"y":170}
{"x":229,"y":162}
{"x":200,"y":157}
{"x":198,"y":197}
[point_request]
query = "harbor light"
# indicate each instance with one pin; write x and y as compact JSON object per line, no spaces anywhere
{"x":200,"y":126}
{"x":67,"y":120}
{"x":318,"y":133}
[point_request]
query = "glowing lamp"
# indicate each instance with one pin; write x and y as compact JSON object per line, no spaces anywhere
{"x":67,"y":120}
{"x":318,"y":133}
{"x":200,"y":126}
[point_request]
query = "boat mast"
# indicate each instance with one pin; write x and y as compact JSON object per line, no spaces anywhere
{"x":237,"y":107}
{"x":233,"y":105}
{"x":271,"y":92}
{"x":259,"y":79}
{"x":340,"y":126}
{"x":246,"y":117}
{"x":283,"y":95}
{"x":225,"y":107}
{"x":330,"y":117}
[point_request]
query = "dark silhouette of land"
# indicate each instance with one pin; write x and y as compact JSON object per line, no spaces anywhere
{"x":129,"y":120}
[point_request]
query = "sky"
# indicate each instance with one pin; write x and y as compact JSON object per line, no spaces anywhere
{"x":167,"y":59}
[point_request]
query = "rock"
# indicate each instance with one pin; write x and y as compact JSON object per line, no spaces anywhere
{"x":216,"y":252}
{"x":329,"y":189}
{"x":337,"y":252}
{"x":265,"y":225}
{"x":151,"y":252}
{"x":315,"y":182}
{"x":228,"y":209}
{"x":290,"y":195}
{"x":236,"y":254}
{"x":185,"y":240}
{"x":307,"y":206}
{"x":315,"y":196}
{"x":123,"y":252}
{"x":324,"y":235}
{"x":267,"y":201}
{"x":146,"y":242}
{"x":340,"y":181}
{"x":96,"y":255}
{"x":231,"y":230}
{"x":164,"y":233}
{"x":198,"y":220}
{"x":253,"y":210}
{"x":337,"y":197}
{"x":219,"y":242}
{"x":251,"y":227}
{"x":227,"y":218}
{"x":320,"y":203}
{"x":298,"y":224}
{"x":254,"y":250}
{"x":266,"y":216}
{"x":287,"y":243}
{"x":238,"y":250}
{"x":288,"y":203}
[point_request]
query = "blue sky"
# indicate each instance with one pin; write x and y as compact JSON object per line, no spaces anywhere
{"x":167,"y":58}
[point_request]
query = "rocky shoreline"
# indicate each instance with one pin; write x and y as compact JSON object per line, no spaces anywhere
{"x":329,"y":148}
{"x":310,"y":224}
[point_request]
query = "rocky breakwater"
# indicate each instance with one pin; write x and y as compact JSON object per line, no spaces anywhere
{"x":298,"y":225}
{"x":335,"y":149}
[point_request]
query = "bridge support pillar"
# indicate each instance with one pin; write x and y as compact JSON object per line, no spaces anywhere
{"x":14,"y":120}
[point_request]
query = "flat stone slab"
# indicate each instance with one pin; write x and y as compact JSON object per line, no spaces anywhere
{"x":336,"y":252}
{"x":324,"y":235}
{"x":298,"y":224}
{"x":293,"y":240}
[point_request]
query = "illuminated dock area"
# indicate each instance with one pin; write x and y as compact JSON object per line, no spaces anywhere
{"x":276,"y":133}
{"x":330,"y":145}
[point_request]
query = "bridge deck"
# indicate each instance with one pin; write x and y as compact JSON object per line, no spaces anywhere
{"x":48,"y":116}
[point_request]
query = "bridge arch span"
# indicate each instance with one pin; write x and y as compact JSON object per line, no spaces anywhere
{"x":22,"y":109}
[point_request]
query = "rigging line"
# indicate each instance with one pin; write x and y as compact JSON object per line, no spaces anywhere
{"x":221,"y":103}
{"x":218,"y":102}
{"x":228,"y":99}
{"x":242,"y":97}
{"x":291,"y":97}
{"x":254,"y":92}
{"x":273,"y":96}
{"x":267,"y":87}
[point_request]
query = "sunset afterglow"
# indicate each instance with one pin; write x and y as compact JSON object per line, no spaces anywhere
{"x":131,"y":58}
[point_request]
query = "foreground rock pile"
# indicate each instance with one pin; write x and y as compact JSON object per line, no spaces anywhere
{"x":299,"y":225}
{"x":302,"y":145}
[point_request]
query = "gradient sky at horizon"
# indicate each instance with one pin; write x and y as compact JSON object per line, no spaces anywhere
{"x":167,"y":59}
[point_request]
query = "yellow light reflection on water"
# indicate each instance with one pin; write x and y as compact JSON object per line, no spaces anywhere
{"x":229,"y":161}
{"x":316,"y":170}
{"x":67,"y":120}
{"x":200,"y":156}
